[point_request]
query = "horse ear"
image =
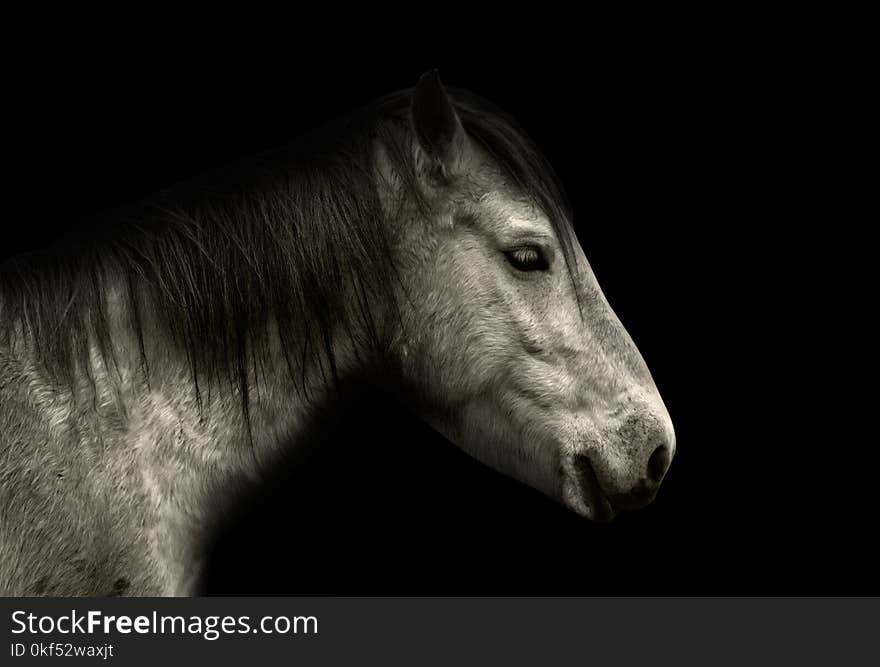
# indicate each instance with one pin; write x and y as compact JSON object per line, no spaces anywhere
{"x":441,"y":136}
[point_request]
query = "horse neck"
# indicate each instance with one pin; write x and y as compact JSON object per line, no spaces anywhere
{"x":165,"y":414}
{"x":280,"y":400}
{"x":133,"y":406}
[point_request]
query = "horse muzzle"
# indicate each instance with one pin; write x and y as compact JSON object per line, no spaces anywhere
{"x":622,"y":472}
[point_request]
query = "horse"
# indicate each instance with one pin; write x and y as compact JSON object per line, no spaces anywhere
{"x":155,"y":364}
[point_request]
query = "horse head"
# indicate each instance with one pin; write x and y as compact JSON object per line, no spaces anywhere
{"x":507,"y":344}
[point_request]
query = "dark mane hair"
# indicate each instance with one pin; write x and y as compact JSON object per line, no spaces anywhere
{"x":276,"y":237}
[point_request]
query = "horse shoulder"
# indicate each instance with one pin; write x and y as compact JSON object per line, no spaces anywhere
{"x":72,"y":518}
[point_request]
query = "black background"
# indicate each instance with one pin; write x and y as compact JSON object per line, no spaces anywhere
{"x":682,"y":154}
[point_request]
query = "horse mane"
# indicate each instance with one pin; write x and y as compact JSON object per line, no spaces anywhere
{"x":274,"y":237}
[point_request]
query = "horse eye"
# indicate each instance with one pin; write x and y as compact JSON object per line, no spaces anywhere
{"x":527,"y":258}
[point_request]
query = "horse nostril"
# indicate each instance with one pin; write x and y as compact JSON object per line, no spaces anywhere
{"x":658,"y":464}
